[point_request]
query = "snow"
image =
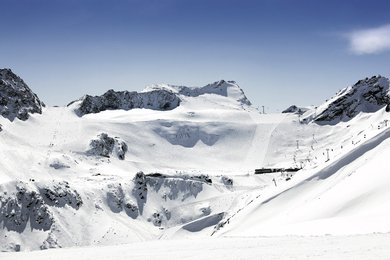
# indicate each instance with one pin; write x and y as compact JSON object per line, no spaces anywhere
{"x":197,"y":195}
{"x":374,"y":246}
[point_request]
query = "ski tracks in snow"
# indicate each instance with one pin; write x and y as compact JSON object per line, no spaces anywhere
{"x":53,"y":141}
{"x":261,"y":138}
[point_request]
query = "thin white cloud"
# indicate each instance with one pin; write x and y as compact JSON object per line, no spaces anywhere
{"x":370,"y":41}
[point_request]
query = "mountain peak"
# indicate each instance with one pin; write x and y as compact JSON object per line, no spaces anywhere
{"x":366,"y":95}
{"x":222,"y":87}
{"x":16,"y":99}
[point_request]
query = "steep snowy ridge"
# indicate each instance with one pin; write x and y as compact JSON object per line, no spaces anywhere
{"x":367,"y":95}
{"x":16,"y":98}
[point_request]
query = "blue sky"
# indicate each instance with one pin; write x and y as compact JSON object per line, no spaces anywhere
{"x":279,"y":52}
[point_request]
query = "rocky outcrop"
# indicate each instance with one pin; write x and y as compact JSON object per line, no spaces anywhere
{"x":180,"y":187}
{"x":227,"y":181}
{"x":295,"y":110}
{"x":118,"y":201}
{"x":23,"y":206}
{"x":105,"y":146}
{"x":367,"y":95}
{"x":60,"y":194}
{"x":28,"y":205}
{"x":112,"y":100}
{"x":16,"y":98}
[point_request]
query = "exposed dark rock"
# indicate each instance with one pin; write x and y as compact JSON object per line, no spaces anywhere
{"x":117,"y":201}
{"x":205,"y":211}
{"x":169,"y":187}
{"x":227,"y":181}
{"x":178,"y":187}
{"x":16,"y":98}
{"x":140,"y":190}
{"x":202,"y":178}
{"x":295,"y":110}
{"x":115,"y":198}
{"x":105,"y":146}
{"x":112,"y":100}
{"x":387,"y":109}
{"x":131,"y":210}
{"x":12,"y":247}
{"x":24,"y":206}
{"x":56,"y":164}
{"x":367,"y":95}
{"x":28,"y":205}
{"x":157,"y":219}
{"x":60,"y":194}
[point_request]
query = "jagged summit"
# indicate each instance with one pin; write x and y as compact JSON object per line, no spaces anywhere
{"x":156,"y":97}
{"x":221,"y":87}
{"x":16,"y":98}
{"x":295,"y":110}
{"x":367,"y":95}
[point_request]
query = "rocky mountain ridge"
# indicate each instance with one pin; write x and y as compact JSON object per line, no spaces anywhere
{"x":126,"y":100}
{"x":367,"y":95}
{"x":16,"y":99}
{"x":160,"y":97}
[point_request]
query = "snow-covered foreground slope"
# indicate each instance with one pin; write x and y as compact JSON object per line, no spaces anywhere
{"x":373,"y":246}
{"x":197,"y":180}
{"x":346,"y":195}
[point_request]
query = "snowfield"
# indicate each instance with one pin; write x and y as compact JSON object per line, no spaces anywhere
{"x":118,"y":180}
{"x":374,"y":246}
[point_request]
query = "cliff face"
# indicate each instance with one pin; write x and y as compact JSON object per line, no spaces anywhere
{"x":16,"y":98}
{"x":111,"y":100}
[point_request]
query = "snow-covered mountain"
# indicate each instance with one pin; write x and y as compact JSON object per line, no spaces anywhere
{"x":126,"y":167}
{"x":223,"y":88}
{"x":367,"y":95}
{"x":156,"y":97}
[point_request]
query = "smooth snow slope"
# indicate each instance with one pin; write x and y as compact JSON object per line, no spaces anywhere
{"x":374,"y":246}
{"x":346,"y":195}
